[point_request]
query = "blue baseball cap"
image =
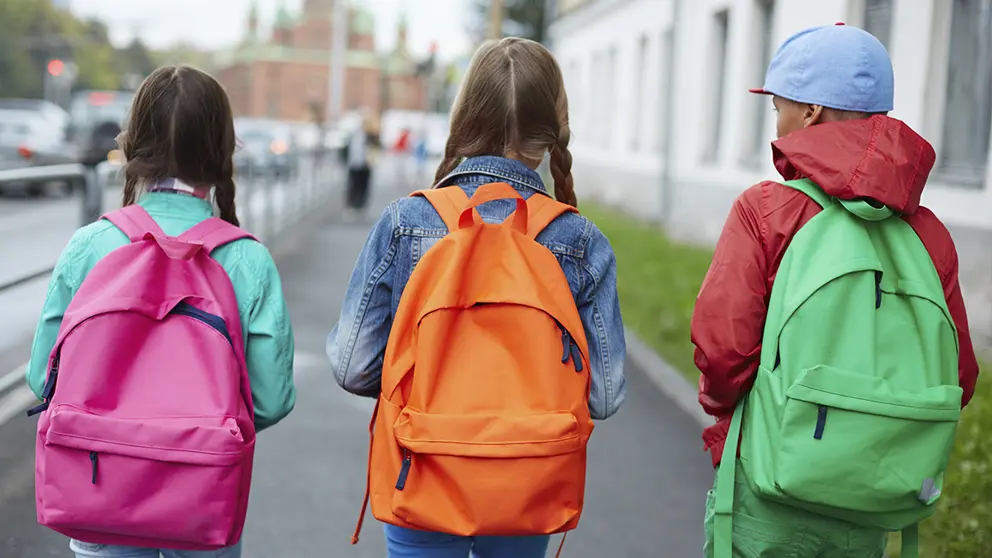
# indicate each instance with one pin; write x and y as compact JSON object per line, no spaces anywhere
{"x":836,"y":66}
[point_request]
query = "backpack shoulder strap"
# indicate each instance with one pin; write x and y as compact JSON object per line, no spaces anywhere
{"x":860,"y":208}
{"x":214,"y":233}
{"x":135,"y":222}
{"x":542,"y":210}
{"x":448,"y":202}
{"x":813,"y":191}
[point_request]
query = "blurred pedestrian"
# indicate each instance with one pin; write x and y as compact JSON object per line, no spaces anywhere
{"x":142,"y":314}
{"x":489,"y":396}
{"x":831,"y":322}
{"x":359,"y":167}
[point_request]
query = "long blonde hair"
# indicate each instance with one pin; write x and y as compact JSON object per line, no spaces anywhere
{"x":513,"y":104}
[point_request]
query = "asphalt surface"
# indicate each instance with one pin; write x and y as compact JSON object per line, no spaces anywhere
{"x":647,"y":475}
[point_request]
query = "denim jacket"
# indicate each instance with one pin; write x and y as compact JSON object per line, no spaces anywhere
{"x":409,"y":227}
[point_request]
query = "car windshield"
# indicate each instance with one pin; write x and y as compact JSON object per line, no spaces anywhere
{"x":100,"y":106}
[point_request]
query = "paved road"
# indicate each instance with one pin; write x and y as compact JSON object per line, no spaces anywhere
{"x":647,"y":473}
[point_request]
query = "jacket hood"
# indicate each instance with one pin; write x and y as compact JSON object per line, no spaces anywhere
{"x":879,"y":158}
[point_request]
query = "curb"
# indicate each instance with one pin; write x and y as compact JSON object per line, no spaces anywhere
{"x":672,"y":384}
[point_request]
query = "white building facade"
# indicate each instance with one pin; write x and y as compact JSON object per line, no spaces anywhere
{"x":663,"y":125}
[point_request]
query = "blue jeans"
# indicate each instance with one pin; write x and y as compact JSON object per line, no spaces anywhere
{"x":409,"y":543}
{"x":89,"y":550}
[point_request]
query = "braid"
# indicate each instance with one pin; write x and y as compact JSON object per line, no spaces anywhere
{"x":224,"y":194}
{"x":561,"y":168}
{"x":450,"y":161}
{"x":130,"y":188}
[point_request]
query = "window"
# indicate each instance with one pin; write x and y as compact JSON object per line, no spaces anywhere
{"x":595,"y":84}
{"x":878,"y":19}
{"x":638,"y":111}
{"x":763,"y":44}
{"x":968,"y":103}
{"x":664,"y":63}
{"x":610,"y":83}
{"x":718,"y":57}
{"x":573,"y":87}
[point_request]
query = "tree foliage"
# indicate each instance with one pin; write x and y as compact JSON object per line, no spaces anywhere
{"x":521,"y":18}
{"x":34,"y":32}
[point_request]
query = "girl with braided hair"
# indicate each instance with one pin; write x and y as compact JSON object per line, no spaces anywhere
{"x":511,"y":111}
{"x":179,"y":145}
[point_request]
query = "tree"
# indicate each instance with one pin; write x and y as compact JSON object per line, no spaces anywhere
{"x":135,"y":59}
{"x":94,"y":55}
{"x":521,"y":18}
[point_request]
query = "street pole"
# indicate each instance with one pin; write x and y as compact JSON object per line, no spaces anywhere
{"x":339,"y":48}
{"x":496,"y":20}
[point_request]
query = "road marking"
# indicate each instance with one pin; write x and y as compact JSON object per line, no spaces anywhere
{"x":15,"y":403}
{"x":12,"y":379}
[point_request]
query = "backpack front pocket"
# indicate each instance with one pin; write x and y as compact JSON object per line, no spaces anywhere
{"x":523,"y":469}
{"x":174,"y":479}
{"x":856,"y":442}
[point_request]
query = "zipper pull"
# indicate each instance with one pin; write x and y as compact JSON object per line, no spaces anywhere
{"x":576,"y":357}
{"x":566,"y":344}
{"x":404,"y":470}
{"x":93,"y":459}
{"x":48,"y":391}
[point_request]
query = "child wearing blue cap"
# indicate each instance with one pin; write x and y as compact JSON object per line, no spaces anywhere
{"x":830,"y":330}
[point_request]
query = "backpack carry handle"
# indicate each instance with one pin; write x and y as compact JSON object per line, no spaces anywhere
{"x":134,"y":222}
{"x":214,"y":233}
{"x":493,"y":192}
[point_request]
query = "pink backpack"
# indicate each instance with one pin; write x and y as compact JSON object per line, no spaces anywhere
{"x":146,"y":436}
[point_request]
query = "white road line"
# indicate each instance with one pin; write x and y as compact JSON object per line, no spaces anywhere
{"x":15,"y":403}
{"x":13,"y":378}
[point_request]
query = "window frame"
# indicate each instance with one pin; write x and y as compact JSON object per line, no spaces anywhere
{"x":936,"y":99}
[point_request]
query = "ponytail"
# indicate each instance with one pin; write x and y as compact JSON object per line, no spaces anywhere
{"x":561,"y":168}
{"x":224,"y":193}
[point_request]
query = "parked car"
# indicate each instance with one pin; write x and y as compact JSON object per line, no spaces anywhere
{"x":267,"y":149}
{"x":96,"y":120}
{"x":32,"y":133}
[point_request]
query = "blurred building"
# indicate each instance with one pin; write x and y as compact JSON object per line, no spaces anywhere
{"x":663,"y":124}
{"x":285,"y":75}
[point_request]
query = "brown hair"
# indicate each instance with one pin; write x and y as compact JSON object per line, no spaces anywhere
{"x":513,"y":104}
{"x":181,"y":126}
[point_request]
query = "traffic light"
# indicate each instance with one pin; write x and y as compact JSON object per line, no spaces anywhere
{"x":56,"y":67}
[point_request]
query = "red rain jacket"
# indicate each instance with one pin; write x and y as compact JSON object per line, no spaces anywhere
{"x":880,"y":158}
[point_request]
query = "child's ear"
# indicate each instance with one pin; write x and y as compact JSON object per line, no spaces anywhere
{"x":812,"y":115}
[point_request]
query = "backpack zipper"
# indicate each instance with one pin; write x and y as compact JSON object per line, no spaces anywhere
{"x":878,"y":290}
{"x":215,"y":322}
{"x":569,"y":348}
{"x":94,"y":459}
{"x":404,"y":470}
{"x":49,"y":391}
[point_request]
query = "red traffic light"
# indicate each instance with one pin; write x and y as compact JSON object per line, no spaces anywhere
{"x":56,"y":67}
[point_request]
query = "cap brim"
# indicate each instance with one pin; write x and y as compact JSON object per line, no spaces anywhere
{"x":760,"y":91}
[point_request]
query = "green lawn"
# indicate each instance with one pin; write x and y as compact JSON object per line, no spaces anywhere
{"x":658,"y":282}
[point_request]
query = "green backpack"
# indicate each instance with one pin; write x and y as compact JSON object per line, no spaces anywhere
{"x":856,"y":401}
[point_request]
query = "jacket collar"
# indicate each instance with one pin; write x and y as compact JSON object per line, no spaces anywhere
{"x":501,"y":168}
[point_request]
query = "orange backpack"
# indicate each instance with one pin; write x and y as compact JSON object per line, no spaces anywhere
{"x":483,"y":418}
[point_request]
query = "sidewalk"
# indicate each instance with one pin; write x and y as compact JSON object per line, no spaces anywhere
{"x":647,"y":478}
